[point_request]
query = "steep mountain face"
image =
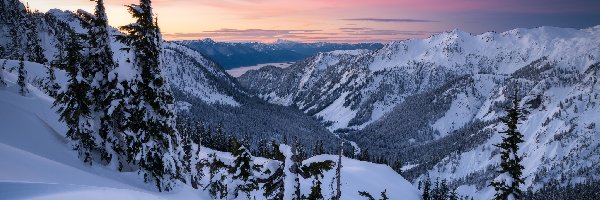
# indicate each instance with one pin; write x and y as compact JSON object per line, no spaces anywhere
{"x":434,"y":103}
{"x":232,"y":55}
{"x":205,"y":93}
{"x":202,"y":89}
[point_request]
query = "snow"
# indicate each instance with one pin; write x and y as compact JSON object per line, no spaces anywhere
{"x":38,"y":162}
{"x":191,"y":73}
{"x":462,"y":111}
{"x":237,"y":72}
{"x":556,"y":145}
{"x":364,"y":176}
{"x":337,"y":113}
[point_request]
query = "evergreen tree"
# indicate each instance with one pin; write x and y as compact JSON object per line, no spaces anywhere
{"x":264,"y":149}
{"x":216,"y":181}
{"x":427,"y":189}
{"x":315,"y":170}
{"x":16,"y":18}
{"x":34,"y":47}
{"x":338,"y":174}
{"x":384,"y":195}
{"x":296,"y":171}
{"x":435,"y":192}
{"x":364,"y":155}
{"x":397,"y":166}
{"x":152,"y":138}
{"x":507,"y":184}
{"x":444,"y":190}
{"x":318,"y":149}
{"x":274,"y":183}
{"x":190,"y":149}
{"x":220,"y":140}
{"x":21,"y":79}
{"x":208,"y":139}
{"x":370,"y":197}
{"x":198,"y":135}
{"x":366,"y":194}
{"x":51,"y":86}
{"x":243,"y":173}
{"x":2,"y":68}
{"x":73,"y":104}
{"x":105,"y":91}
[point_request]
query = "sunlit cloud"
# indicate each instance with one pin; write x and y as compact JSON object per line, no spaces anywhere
{"x":339,"y":20}
{"x":391,"y":20}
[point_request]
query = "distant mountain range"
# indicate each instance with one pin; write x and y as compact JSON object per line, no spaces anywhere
{"x":234,"y":55}
{"x":434,"y":103}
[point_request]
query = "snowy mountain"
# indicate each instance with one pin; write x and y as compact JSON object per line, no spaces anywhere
{"x":434,"y":103}
{"x":39,"y":163}
{"x":203,"y":90}
{"x":232,"y":55}
{"x":42,"y":164}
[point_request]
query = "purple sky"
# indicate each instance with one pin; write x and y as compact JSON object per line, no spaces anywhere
{"x":345,"y":20}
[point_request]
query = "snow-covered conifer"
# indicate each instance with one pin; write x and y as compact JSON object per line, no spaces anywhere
{"x":74,"y":105}
{"x":508,"y":183}
{"x":152,"y":138}
{"x":21,"y":81}
{"x":34,"y":47}
{"x":51,"y":86}
{"x":243,"y":178}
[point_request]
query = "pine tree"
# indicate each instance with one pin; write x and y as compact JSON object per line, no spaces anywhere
{"x":318,"y":149}
{"x":2,"y":68}
{"x":22,"y":76}
{"x":366,"y":194}
{"x":444,"y":190}
{"x":296,"y":170}
{"x":152,"y":138}
{"x":243,"y":173}
{"x":338,"y":174}
{"x":435,"y":194}
{"x":104,"y":91}
{"x":274,"y":183}
{"x":264,"y":149}
{"x":198,"y":135}
{"x":216,"y":186}
{"x":73,"y":104}
{"x":370,"y":197}
{"x":34,"y":47}
{"x":220,"y":140}
{"x":364,"y":155}
{"x":427,"y":189}
{"x":397,"y":166}
{"x":51,"y":86}
{"x":315,"y":170}
{"x":507,"y":184}
{"x":208,"y":139}
{"x":16,"y":15}
{"x":384,"y":195}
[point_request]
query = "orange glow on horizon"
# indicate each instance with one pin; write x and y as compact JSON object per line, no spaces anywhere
{"x":320,"y":20}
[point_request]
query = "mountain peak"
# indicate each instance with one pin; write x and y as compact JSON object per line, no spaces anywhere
{"x":284,"y":41}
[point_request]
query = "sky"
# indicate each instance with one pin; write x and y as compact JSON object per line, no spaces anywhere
{"x":351,"y":21}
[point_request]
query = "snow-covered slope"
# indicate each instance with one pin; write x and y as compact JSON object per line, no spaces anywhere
{"x":434,"y":103}
{"x":371,"y":83}
{"x":203,"y":90}
{"x":38,"y":162}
